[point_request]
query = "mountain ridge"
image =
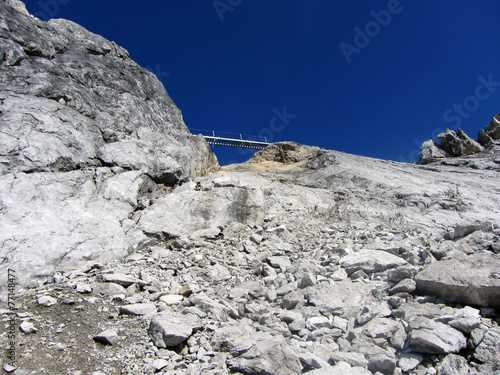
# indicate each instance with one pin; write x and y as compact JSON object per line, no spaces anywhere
{"x":136,"y":253}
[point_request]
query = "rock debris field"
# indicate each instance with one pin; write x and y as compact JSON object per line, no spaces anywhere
{"x":133,"y":252}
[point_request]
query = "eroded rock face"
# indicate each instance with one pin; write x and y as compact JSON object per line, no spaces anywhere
{"x":86,"y":134}
{"x":285,"y":152}
{"x":86,"y":103}
{"x":491,"y":132}
{"x":300,"y":261}
{"x":459,"y":144}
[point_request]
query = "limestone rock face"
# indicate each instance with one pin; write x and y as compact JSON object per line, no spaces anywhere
{"x":302,"y":260}
{"x":86,"y":134}
{"x":285,"y":152}
{"x":459,"y":145}
{"x":86,"y":103}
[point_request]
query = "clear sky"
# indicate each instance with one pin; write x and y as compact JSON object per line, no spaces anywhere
{"x":373,"y":78}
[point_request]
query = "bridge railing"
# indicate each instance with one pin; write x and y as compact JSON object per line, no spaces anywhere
{"x":213,"y":133}
{"x":232,"y":139}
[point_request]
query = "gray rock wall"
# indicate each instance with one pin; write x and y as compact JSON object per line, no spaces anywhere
{"x":302,"y":260}
{"x":85,"y":134}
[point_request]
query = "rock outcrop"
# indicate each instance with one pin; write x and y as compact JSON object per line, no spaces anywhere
{"x":491,"y":132}
{"x":127,"y":255}
{"x":86,"y":134}
{"x":459,"y":144}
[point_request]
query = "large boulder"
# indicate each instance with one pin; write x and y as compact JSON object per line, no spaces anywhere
{"x":371,"y":261}
{"x":256,"y":352}
{"x":168,"y":330}
{"x":428,"y":336}
{"x":472,"y":280}
{"x":268,"y":357}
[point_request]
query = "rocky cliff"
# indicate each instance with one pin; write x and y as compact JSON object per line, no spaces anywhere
{"x":86,"y":136}
{"x":135,"y":254}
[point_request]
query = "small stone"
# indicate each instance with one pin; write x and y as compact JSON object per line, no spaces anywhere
{"x":340,"y":323}
{"x":186,"y":290}
{"x":58,"y":279}
{"x":47,"y":301}
{"x":123,"y":280}
{"x":138,"y":309}
{"x":159,"y":364}
{"x":366,"y":315}
{"x":83,"y":288}
{"x":318,"y":322}
{"x":256,"y":238}
{"x":404,"y":286}
{"x":353,"y":358}
{"x":313,"y":361}
{"x":28,"y":327}
{"x":409,"y":361}
{"x":171,"y":299}
{"x":283,"y":263}
{"x":359,"y":274}
{"x":108,"y":337}
{"x":339,"y":275}
{"x":291,"y":300}
{"x":290,"y":316}
{"x":308,"y":279}
{"x":8,"y":368}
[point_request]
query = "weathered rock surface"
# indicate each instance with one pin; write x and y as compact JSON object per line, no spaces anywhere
{"x":428,"y":336}
{"x":453,"y":365}
{"x":300,"y":261}
{"x":491,"y":132}
{"x":469,"y":279}
{"x":432,"y":152}
{"x":488,"y":349}
{"x":460,"y":149}
{"x":459,"y":144}
{"x":370,"y":261}
{"x":167,"y":330}
{"x":80,"y":120}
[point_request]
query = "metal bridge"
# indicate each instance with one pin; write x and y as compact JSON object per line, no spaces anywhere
{"x":235,"y":142}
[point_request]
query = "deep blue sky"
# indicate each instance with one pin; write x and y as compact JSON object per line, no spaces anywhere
{"x":232,"y":68}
